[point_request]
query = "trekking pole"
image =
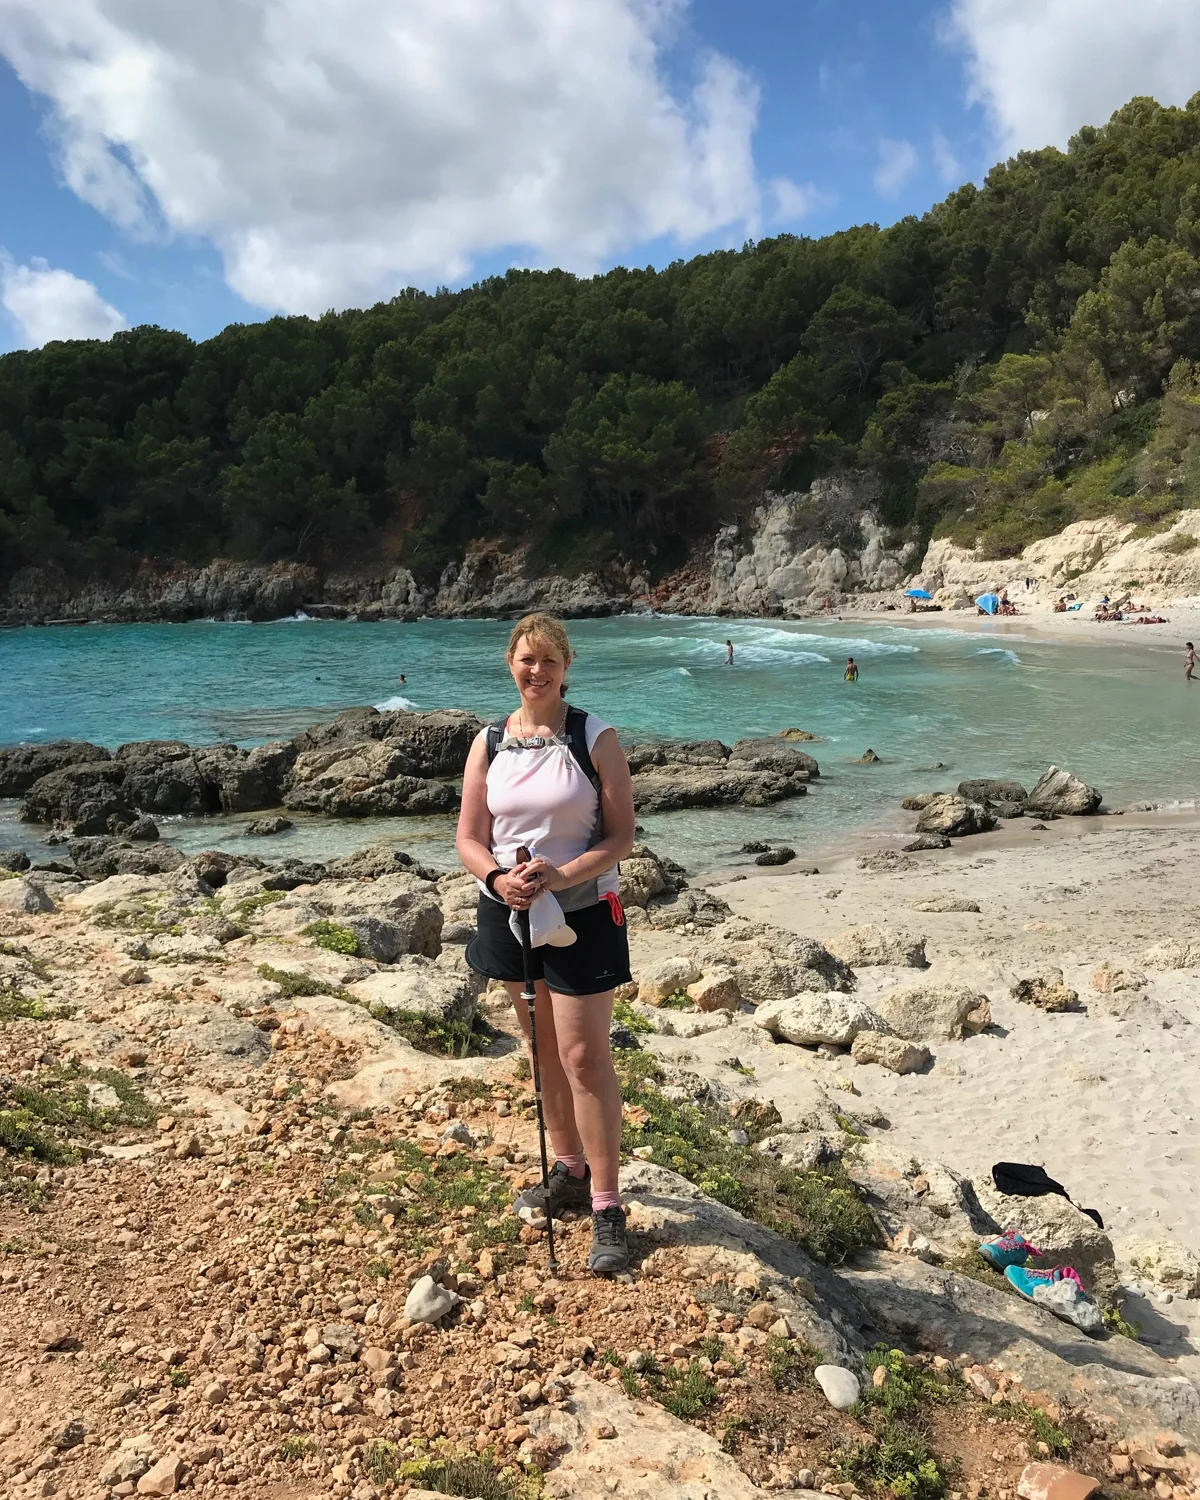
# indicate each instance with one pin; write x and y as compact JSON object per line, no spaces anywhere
{"x":529,"y":995}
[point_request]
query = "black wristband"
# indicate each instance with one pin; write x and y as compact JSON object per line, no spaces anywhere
{"x":491,"y":878}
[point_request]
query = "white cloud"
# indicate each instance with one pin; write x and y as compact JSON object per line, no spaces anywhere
{"x":789,"y":201}
{"x":45,"y":304}
{"x":1043,"y":68}
{"x":945,"y":163}
{"x":336,"y":150}
{"x":898,"y":160}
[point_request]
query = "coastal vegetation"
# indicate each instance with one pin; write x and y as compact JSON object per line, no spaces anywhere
{"x":1016,"y":358}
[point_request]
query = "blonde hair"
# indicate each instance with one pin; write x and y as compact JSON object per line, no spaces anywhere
{"x":542,"y":629}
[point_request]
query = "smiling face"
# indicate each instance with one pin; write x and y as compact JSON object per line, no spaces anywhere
{"x":538,"y":669}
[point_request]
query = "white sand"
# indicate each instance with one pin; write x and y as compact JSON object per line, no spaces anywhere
{"x":1110,"y":1106}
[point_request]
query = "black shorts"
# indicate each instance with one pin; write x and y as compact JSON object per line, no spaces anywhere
{"x":596,"y":961}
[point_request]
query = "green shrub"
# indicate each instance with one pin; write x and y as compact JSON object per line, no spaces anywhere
{"x":332,"y":936}
{"x":1181,"y":542}
{"x":625,"y":1015}
{"x":302,"y":984}
{"x":822,"y":1210}
{"x":430,"y":1034}
{"x":14,"y":1006}
{"x":251,"y":904}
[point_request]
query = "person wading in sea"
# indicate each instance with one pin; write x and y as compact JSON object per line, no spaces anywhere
{"x":1189,"y":663}
{"x":554,"y":780}
{"x":851,"y":672}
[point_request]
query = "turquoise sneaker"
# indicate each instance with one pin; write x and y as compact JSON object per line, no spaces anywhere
{"x":1026,"y":1282}
{"x":1010,"y":1249}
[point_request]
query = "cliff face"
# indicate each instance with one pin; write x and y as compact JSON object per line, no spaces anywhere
{"x":1089,"y":557}
{"x":796,"y":550}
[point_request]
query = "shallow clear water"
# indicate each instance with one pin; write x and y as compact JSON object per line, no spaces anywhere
{"x":986,"y":703}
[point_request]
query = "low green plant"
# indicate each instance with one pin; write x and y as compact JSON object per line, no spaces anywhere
{"x":442,"y":1037}
{"x":686,"y":1392}
{"x":677,"y":1000}
{"x":896,"y":1460}
{"x":296,"y":1445}
{"x":1180,"y":543}
{"x":1116,"y":1321}
{"x":473,"y":1475}
{"x":302,"y":984}
{"x":179,"y":1379}
{"x":908,"y":1386}
{"x":251,"y":904}
{"x":822,"y":1210}
{"x":789,"y":1361}
{"x":732,"y":1434}
{"x":15,"y":1006}
{"x":36,"y":965}
{"x":333,"y":937}
{"x":625,"y":1015}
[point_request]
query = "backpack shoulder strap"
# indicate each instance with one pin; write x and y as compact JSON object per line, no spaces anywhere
{"x":495,"y":733}
{"x":575,"y":732}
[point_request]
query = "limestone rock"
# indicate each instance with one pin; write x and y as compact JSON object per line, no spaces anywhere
{"x":14,"y":859}
{"x":259,"y":828}
{"x":1065,"y":1236}
{"x":369,"y":778}
{"x":1054,"y":1482}
{"x":954,"y":816}
{"x":22,"y":765}
{"x":891,"y":1052}
{"x":925,"y":841}
{"x":1164,"y":1263}
{"x":669,"y":786}
{"x":26,"y":896}
{"x":1065,"y":1300}
{"x":418,"y":985}
{"x":945,"y":903}
{"x":770,"y":754}
{"x":716,"y":989}
{"x":1047,"y":991}
{"x":840,"y":1386}
{"x":935,"y":1012}
{"x":1172,"y":953}
{"x":1062,"y":793}
{"x":658,"y":980}
{"x":428,"y":1301}
{"x":163,"y":1478}
{"x":992,"y":789}
{"x":868,"y":945}
{"x":772,"y":963}
{"x":813,"y":1019}
{"x":1108,"y":979}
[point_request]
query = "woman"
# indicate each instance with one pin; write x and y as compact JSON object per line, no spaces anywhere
{"x":533,"y":792}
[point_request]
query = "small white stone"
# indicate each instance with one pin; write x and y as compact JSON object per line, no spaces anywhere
{"x":840,"y":1386}
{"x":427,"y":1301}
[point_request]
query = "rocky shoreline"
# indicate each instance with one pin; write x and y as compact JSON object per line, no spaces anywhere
{"x":780,"y":563}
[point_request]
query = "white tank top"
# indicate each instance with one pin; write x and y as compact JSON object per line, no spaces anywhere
{"x":543,"y":800}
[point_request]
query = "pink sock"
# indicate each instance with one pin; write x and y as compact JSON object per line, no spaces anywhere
{"x":576,"y":1165}
{"x":602,"y":1201}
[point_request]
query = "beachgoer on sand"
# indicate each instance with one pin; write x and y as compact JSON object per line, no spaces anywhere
{"x":547,"y":805}
{"x":851,"y":672}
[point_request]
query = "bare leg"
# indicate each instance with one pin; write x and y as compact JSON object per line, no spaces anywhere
{"x":557,"y":1099}
{"x":581,"y":1024}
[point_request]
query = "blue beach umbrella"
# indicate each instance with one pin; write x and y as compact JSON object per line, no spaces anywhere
{"x":989,"y":603}
{"x":917,"y":594}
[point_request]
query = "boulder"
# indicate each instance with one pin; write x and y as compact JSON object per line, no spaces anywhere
{"x":1109,"y":979}
{"x":1168,"y":1265}
{"x":373,"y":778}
{"x":14,"y":859}
{"x":811,"y":1020}
{"x":645,"y":875}
{"x":716,"y":989}
{"x":868,"y":758}
{"x":687,"y":910}
{"x":771,"y":963}
{"x":1171,"y":953}
{"x":935,"y":1012}
{"x":1063,"y":1233}
{"x":142,"y":830}
{"x":1047,"y":991}
{"x":992,"y":789}
{"x":383,"y":942}
{"x":259,"y":828}
{"x":435,"y":744}
{"x":428,"y":1301}
{"x":891,"y":1052}
{"x":866,"y":946}
{"x":419,"y":985}
{"x":379,"y":858}
{"x":925,"y":841}
{"x":254,"y":778}
{"x":98,"y":858}
{"x":22,"y":765}
{"x":403,"y":901}
{"x":24,"y":896}
{"x":946,"y":904}
{"x":798,"y":736}
{"x":840,"y":1386}
{"x":61,"y":796}
{"x":658,"y":980}
{"x":672,"y":786}
{"x":769,"y":754}
{"x":954,"y":816}
{"x":779,"y":856}
{"x":920,"y":801}
{"x":1061,"y":793}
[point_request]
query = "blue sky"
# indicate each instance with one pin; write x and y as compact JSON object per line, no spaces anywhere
{"x":151,"y":172}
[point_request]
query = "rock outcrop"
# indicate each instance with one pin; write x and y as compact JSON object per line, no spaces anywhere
{"x":1061,"y":793}
{"x":706,"y":773}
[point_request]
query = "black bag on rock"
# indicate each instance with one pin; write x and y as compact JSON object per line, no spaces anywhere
{"x":1019,"y":1180}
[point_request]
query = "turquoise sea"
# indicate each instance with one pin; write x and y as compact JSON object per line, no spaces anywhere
{"x":984,"y":703}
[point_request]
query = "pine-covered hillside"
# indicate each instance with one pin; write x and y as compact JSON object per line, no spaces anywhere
{"x":1017,"y":358}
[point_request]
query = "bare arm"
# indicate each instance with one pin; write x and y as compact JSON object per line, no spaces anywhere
{"x":474,"y":838}
{"x":616,"y":819}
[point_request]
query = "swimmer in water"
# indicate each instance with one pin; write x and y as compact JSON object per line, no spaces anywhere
{"x":851,"y":672}
{"x":402,"y":679}
{"x":729,"y":653}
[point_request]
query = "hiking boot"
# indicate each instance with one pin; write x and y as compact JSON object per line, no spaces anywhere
{"x":562,"y":1190}
{"x":610,"y":1244}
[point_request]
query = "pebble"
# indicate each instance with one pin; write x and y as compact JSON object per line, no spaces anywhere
{"x":215,"y":1393}
{"x":840,"y":1386}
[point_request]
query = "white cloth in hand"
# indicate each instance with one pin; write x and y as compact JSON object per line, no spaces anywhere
{"x":547,"y":925}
